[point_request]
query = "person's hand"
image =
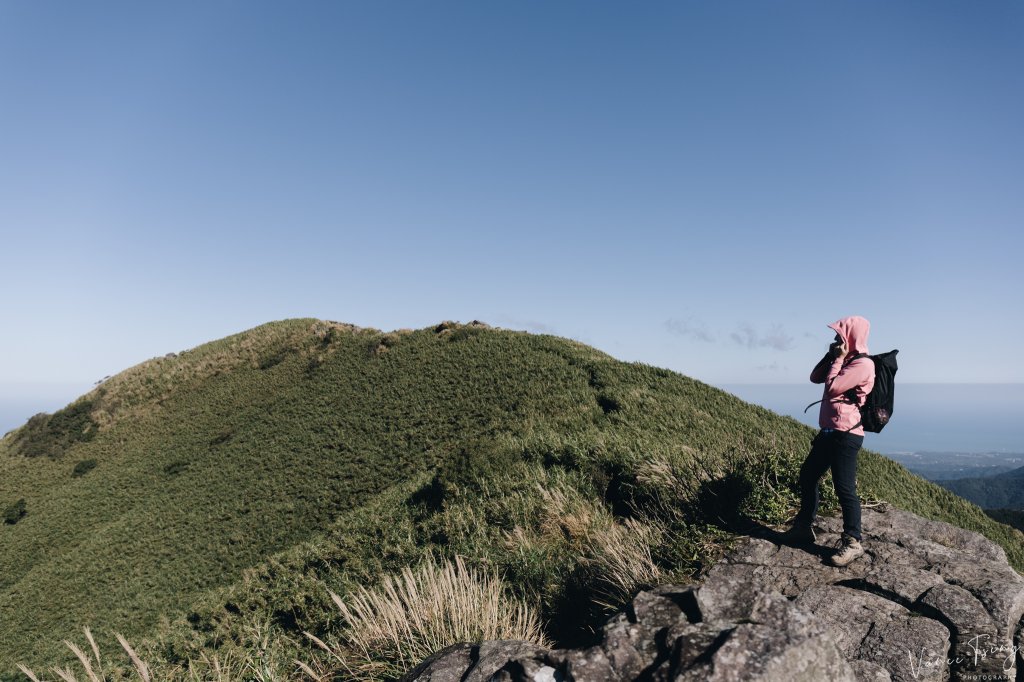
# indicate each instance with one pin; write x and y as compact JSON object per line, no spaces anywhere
{"x":839,"y":350}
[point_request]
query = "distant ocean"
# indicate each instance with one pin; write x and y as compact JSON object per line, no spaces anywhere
{"x":926,"y":417}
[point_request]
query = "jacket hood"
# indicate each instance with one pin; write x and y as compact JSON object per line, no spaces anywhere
{"x":854,"y":330}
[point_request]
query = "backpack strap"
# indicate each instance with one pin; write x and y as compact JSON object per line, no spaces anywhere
{"x":852,"y":393}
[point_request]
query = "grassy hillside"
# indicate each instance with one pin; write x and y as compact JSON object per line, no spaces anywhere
{"x":204,"y":503}
{"x":1002,"y":491}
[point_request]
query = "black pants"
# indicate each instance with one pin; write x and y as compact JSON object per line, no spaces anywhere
{"x":836,"y":450}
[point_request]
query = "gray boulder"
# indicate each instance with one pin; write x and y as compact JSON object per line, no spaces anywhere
{"x":928,"y":600}
{"x":661,"y":637}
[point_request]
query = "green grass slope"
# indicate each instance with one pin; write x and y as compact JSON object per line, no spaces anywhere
{"x":205,"y":501}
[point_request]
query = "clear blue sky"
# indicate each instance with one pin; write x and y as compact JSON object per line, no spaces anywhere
{"x":701,"y":186}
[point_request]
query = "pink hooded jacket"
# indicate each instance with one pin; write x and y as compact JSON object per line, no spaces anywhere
{"x":845,"y":377}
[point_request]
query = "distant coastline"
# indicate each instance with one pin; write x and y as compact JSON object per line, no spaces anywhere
{"x":940,"y":466}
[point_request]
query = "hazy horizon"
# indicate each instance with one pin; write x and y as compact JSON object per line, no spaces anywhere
{"x":927,"y":417}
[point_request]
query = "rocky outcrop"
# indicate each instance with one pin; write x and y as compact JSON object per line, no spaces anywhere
{"x":663,"y":636}
{"x":927,"y":601}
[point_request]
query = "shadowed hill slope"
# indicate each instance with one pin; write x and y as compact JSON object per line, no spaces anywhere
{"x":1001,"y":491}
{"x":1011,"y":517}
{"x":192,"y":493}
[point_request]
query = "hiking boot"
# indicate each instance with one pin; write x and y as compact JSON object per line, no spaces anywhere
{"x":800,"y":533}
{"x":848,"y":550}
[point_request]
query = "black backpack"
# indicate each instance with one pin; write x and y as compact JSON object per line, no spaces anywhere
{"x":876,"y":411}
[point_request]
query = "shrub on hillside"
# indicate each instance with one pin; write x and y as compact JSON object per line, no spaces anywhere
{"x":49,"y":435}
{"x":380,"y":345}
{"x":175,"y":468}
{"x":274,"y":358}
{"x":454,"y":331}
{"x":15,"y":512}
{"x":83,"y":467}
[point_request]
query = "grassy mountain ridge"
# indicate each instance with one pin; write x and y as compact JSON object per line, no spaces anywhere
{"x":230,"y":485}
{"x":208,"y":461}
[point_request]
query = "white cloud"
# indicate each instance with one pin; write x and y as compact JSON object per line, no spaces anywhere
{"x":775,"y":338}
{"x":690,"y":329}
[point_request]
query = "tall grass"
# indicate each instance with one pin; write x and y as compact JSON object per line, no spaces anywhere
{"x":393,"y":626}
{"x":616,"y":553}
{"x":92,"y":666}
{"x":251,"y":663}
{"x":621,"y":559}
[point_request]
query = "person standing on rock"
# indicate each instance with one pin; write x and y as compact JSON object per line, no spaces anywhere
{"x":848,"y":375}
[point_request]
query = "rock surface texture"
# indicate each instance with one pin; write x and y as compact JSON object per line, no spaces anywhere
{"x":927,"y":601}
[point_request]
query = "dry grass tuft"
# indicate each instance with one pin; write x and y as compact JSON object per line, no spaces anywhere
{"x":618,"y":553}
{"x":91,"y":666}
{"x":621,"y":558}
{"x":569,"y":514}
{"x":394,"y":626}
{"x":28,"y":673}
{"x":140,"y":667}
